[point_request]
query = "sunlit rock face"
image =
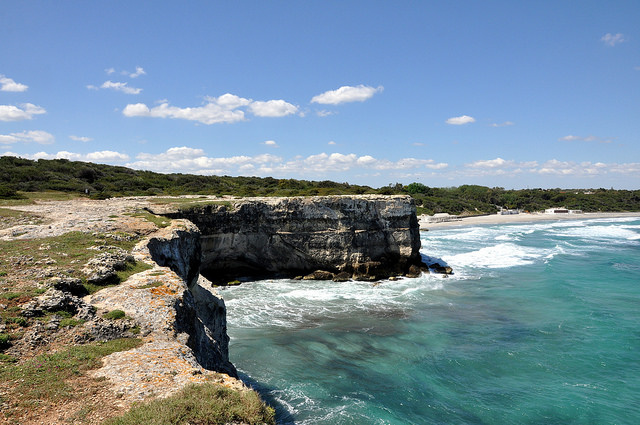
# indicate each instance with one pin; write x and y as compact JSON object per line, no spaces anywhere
{"x":363,"y":237}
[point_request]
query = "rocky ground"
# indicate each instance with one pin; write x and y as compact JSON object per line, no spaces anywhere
{"x":50,"y":253}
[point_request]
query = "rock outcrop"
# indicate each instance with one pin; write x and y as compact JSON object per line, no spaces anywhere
{"x":364,"y":237}
{"x":182,"y":320}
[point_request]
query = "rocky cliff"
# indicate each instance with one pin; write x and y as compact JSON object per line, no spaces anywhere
{"x":182,"y":320}
{"x":363,"y":237}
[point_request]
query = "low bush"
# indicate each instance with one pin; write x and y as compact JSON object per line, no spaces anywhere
{"x":204,"y":404}
{"x":114,"y":315}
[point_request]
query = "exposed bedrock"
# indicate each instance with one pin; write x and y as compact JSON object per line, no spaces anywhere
{"x":362,"y":237}
{"x":182,"y":319}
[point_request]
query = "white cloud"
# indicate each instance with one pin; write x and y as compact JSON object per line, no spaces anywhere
{"x":139,"y":72}
{"x":464,"y":119}
{"x":491,"y":163}
{"x":110,"y":71}
{"x":346,"y":94}
{"x":83,"y":139}
{"x":321,"y":164}
{"x":223,"y":109}
{"x":569,"y":138}
{"x":211,"y":113}
{"x":7,"y":84}
{"x":332,"y":143}
{"x":325,"y":113}
{"x":33,"y":136}
{"x":553,"y":168}
{"x":272,"y":108}
{"x":185,"y":159}
{"x":107,"y":156}
{"x":590,"y":138}
{"x":270,"y":143}
{"x":612,"y":39}
{"x":13,"y":113}
{"x":101,"y":156}
{"x":117,"y":86}
{"x":503,"y":124}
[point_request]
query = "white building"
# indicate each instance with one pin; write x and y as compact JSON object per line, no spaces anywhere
{"x":562,"y":210}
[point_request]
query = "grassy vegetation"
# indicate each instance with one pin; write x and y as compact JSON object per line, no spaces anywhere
{"x":114,"y":315}
{"x":45,"y":377}
{"x":204,"y":404}
{"x":29,"y":198}
{"x":159,"y":221}
{"x":9,"y":218}
{"x":66,"y":253}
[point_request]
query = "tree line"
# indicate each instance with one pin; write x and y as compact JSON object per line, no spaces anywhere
{"x":101,"y":181}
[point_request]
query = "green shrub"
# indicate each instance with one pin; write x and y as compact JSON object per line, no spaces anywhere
{"x":114,"y":315}
{"x":4,"y":340}
{"x":18,"y":321}
{"x":9,"y":193}
{"x":70,"y":322}
{"x":201,"y":404}
{"x":5,"y":358}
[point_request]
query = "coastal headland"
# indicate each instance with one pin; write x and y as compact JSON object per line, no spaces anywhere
{"x":167,"y":304}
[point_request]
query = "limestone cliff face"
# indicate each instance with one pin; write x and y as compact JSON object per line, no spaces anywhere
{"x":361,"y":237}
{"x":182,"y":320}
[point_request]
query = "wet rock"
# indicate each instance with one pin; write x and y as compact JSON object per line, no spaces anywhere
{"x":319,"y":275}
{"x":414,"y":271}
{"x":342,"y":277}
{"x":439,"y":268}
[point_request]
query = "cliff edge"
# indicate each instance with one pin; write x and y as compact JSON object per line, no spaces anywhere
{"x":182,"y":320}
{"x":365,"y":237}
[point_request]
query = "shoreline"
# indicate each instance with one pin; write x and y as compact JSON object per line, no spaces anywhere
{"x":520,"y":218}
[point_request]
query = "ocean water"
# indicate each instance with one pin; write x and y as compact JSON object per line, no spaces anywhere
{"x":540,"y":324}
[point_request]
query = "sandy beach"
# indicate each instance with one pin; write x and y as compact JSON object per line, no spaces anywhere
{"x":518,"y":218}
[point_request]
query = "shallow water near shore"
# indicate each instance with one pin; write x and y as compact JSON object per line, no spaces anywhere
{"x":539,"y":324}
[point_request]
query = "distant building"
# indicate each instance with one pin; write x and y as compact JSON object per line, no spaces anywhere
{"x":561,"y":211}
{"x":505,"y":211}
{"x":556,"y":211}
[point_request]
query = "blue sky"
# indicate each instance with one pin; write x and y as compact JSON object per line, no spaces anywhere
{"x":514,"y":94}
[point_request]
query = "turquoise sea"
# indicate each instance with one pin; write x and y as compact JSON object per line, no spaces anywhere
{"x":540,"y":324}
